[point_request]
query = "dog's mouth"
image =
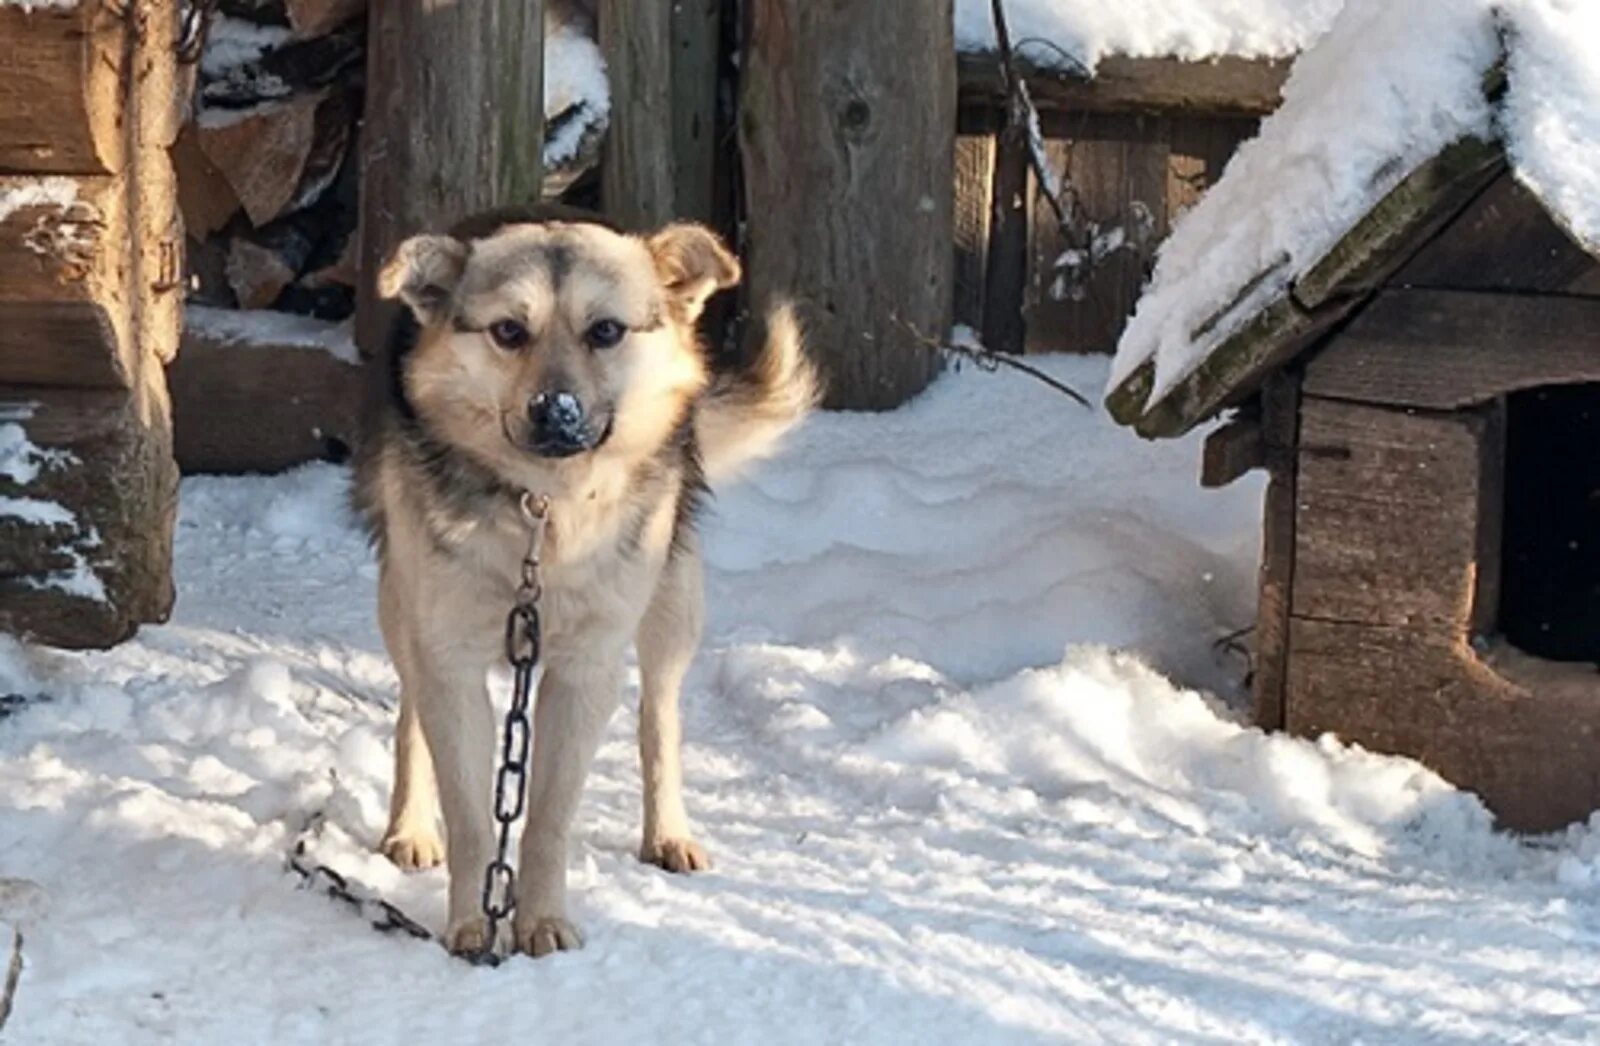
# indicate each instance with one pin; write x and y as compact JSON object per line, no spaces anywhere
{"x":520,"y":433}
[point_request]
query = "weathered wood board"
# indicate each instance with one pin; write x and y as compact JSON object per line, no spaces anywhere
{"x":63,"y":108}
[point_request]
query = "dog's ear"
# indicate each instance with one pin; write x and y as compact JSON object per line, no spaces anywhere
{"x":693,"y":264}
{"x":423,"y":272}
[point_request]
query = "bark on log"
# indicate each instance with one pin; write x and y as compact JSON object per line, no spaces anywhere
{"x":62,"y":107}
{"x":86,"y":520}
{"x":848,"y":127}
{"x":443,"y":137}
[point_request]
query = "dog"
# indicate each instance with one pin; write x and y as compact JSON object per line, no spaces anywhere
{"x":544,"y":352}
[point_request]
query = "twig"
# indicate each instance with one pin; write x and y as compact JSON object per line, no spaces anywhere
{"x":8,"y":993}
{"x":988,"y":359}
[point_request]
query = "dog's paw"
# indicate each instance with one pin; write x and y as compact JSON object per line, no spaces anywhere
{"x":467,"y":937}
{"x":680,"y":856}
{"x":546,"y":934}
{"x":413,"y":850}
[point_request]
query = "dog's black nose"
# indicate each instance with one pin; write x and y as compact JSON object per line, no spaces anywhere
{"x":558,"y":420}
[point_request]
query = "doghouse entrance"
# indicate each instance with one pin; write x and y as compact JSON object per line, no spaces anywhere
{"x":1550,"y":568}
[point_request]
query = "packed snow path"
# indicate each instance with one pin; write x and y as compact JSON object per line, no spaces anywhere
{"x":918,"y":836}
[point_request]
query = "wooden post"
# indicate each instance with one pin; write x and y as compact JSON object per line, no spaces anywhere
{"x":848,"y":126}
{"x":454,"y":124}
{"x":660,"y":148}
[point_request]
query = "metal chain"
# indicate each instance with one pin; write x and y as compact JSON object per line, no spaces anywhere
{"x":498,"y":899}
{"x":383,"y":916}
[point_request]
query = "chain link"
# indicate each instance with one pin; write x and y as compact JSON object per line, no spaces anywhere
{"x":383,"y":916}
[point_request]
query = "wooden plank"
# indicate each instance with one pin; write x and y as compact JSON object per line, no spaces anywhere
{"x":1231,"y":451}
{"x":1011,"y":216}
{"x":1387,"y":516}
{"x":848,"y":128}
{"x":1280,"y":427}
{"x":1397,"y":225}
{"x":1081,"y":286}
{"x":62,"y":107}
{"x":974,"y":194}
{"x":696,"y":31}
{"x":86,"y":528}
{"x":441,"y":137}
{"x":1519,"y":732}
{"x":261,"y":404}
{"x":636,"y":173}
{"x":1503,"y":241}
{"x":67,"y":284}
{"x":1441,"y":350}
{"x":1121,"y":84}
{"x":1199,"y":151}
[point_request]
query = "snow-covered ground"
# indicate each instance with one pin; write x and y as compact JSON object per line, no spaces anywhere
{"x":950,"y":793}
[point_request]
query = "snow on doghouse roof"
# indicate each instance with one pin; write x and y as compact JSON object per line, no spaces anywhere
{"x":1082,"y":32}
{"x":1392,"y":93}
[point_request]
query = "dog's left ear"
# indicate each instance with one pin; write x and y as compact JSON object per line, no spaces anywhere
{"x":423,"y":273}
{"x":693,"y":264}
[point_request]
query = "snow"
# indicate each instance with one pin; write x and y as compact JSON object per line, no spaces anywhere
{"x":264,"y":328}
{"x":574,"y":79}
{"x":1415,"y":73}
{"x":41,"y":5}
{"x":1081,"y":32}
{"x":51,"y":191}
{"x":935,"y":747}
{"x":21,"y":460}
{"x":1552,"y":112}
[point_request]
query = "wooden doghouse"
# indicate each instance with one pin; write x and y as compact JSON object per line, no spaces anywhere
{"x":1426,"y":399}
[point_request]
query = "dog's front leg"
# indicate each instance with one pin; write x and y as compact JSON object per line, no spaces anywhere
{"x":576,"y":699}
{"x":458,"y":722}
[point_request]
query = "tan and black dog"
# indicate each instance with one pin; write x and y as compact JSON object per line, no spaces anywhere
{"x":556,"y":356}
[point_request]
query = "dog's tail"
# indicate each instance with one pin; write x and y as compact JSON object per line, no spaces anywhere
{"x":748,"y":411}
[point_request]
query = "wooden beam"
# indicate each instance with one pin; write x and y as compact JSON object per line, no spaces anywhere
{"x":974,"y":196}
{"x":848,"y":128}
{"x":1231,"y":451}
{"x":1442,"y":350}
{"x":1280,"y":432}
{"x":1005,"y":282}
{"x":636,"y":173}
{"x":1221,"y":86}
{"x":444,"y":136}
{"x":62,"y":103}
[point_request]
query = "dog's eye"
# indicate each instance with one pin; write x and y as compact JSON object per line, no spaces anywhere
{"x":604,"y":334}
{"x":508,"y":334}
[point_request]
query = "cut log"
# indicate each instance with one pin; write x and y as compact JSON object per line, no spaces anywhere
{"x":204,"y":193}
{"x":66,"y":282}
{"x":61,"y":99}
{"x":86,"y":513}
{"x":262,"y":392}
{"x":262,"y":263}
{"x":848,"y":130}
{"x":315,"y":17}
{"x":263,"y":153}
{"x":443,"y":137}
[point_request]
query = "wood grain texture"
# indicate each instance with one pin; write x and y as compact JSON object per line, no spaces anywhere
{"x":1521,"y":733}
{"x":1011,"y":216}
{"x":974,"y":195}
{"x":1387,"y":516}
{"x":1503,"y":241}
{"x":67,"y":285}
{"x":445,"y":135}
{"x":1120,"y":84}
{"x":263,"y":154}
{"x":1440,"y":350}
{"x":62,"y":99}
{"x":848,"y":130}
{"x":637,"y":171}
{"x":1280,"y":428}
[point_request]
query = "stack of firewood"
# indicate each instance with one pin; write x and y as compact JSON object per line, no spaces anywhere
{"x":267,"y":171}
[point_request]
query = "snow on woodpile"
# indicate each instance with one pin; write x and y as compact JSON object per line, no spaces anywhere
{"x":256,"y":328}
{"x":1081,"y":32}
{"x":1386,"y":89}
{"x":577,"y":96}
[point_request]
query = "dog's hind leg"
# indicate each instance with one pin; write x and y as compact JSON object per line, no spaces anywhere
{"x":412,"y":839}
{"x":577,"y":697}
{"x":667,"y":639}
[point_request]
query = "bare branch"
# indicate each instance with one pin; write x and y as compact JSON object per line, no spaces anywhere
{"x":8,"y":991}
{"x":985,"y":358}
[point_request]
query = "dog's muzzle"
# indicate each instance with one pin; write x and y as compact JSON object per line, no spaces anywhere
{"x":559,"y":426}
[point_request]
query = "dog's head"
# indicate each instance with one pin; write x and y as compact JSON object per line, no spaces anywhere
{"x":551,"y":342}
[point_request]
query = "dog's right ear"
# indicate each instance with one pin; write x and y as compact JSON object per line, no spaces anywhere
{"x":423,"y":273}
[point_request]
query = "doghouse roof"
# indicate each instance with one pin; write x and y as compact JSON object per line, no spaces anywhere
{"x":1388,"y":124}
